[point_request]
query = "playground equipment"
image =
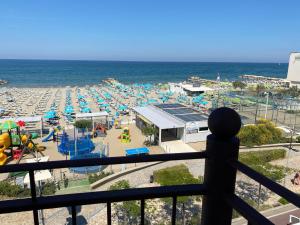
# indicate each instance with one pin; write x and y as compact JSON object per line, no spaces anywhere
{"x":13,"y":138}
{"x":117,"y":124}
{"x":84,"y":145}
{"x":52,"y":132}
{"x":23,"y":143}
{"x":100,"y":130}
{"x":125,"y":136}
{"x":80,"y":148}
{"x":5,"y":143}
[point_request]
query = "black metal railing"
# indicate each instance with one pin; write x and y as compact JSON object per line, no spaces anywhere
{"x":36,"y":203}
{"x":218,"y":188}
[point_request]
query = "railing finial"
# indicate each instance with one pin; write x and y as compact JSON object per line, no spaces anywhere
{"x":219,"y":177}
{"x":224,"y":123}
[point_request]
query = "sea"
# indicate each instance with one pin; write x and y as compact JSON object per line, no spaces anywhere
{"x":54,"y":73}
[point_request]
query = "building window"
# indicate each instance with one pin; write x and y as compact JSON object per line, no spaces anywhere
{"x":193,"y":131}
{"x":203,"y":128}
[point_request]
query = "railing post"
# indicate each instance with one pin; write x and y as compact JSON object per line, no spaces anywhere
{"x":219,"y":177}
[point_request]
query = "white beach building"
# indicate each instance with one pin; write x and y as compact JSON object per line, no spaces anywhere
{"x":174,"y":122}
{"x":188,"y":88}
{"x":294,"y":69}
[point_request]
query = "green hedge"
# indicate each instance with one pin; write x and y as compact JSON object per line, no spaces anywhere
{"x":16,"y":191}
{"x":95,"y":177}
{"x":259,"y":161}
{"x":12,"y":190}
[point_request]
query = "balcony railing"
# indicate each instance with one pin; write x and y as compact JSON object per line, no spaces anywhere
{"x":218,"y":188}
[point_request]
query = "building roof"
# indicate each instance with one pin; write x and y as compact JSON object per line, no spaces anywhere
{"x":167,"y":116}
{"x":182,"y":112}
{"x":192,"y":117}
{"x":159,"y":118}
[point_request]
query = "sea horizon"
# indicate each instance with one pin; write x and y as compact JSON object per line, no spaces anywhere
{"x":60,"y":72}
{"x":145,"y":61}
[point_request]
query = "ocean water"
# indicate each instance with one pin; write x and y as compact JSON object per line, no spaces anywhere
{"x":43,"y":73}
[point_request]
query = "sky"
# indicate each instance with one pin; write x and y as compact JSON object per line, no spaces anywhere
{"x":150,"y":30}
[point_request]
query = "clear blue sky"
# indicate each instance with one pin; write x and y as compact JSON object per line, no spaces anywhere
{"x":154,"y":30}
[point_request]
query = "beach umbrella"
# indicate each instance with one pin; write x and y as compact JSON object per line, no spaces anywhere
{"x":8,"y":125}
{"x":50,"y":115}
{"x":86,"y":110}
{"x":122,"y":107}
{"x":100,"y":100}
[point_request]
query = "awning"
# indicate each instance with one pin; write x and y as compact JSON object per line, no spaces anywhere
{"x":26,"y":119}
{"x":145,"y":119}
{"x":96,"y":114}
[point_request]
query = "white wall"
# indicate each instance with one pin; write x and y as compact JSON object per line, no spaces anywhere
{"x":294,"y":68}
{"x":200,"y":136}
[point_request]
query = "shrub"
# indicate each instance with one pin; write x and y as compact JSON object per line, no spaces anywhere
{"x":122,"y":184}
{"x":283,"y":201}
{"x":16,"y":191}
{"x":49,"y":188}
{"x":12,"y":190}
{"x":264,"y":132}
{"x":127,"y":211}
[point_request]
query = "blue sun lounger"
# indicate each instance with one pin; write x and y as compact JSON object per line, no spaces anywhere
{"x":137,"y":151}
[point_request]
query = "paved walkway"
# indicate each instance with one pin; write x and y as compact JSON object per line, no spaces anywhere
{"x":273,"y":214}
{"x":177,"y":146}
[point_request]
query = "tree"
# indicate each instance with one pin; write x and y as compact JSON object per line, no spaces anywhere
{"x":129,"y":211}
{"x":149,"y":131}
{"x":259,"y":89}
{"x":239,"y":84}
{"x":83,"y":124}
{"x":293,"y":92}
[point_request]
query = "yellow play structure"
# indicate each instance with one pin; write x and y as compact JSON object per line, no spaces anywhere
{"x":5,"y":143}
{"x":125,"y":136}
